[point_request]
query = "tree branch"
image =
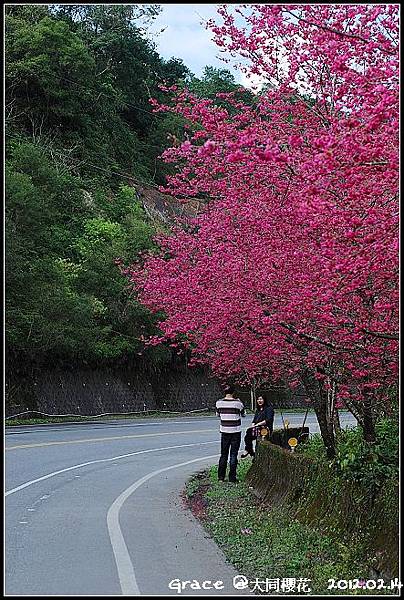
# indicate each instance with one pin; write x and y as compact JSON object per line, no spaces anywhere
{"x":336,"y":31}
{"x":314,"y":338}
{"x":381,"y":334}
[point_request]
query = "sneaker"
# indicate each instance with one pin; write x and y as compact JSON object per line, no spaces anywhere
{"x":245,"y":454}
{"x":233,"y":481}
{"x":222,"y":480}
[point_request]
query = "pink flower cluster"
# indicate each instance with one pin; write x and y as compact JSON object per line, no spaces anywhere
{"x":294,"y":262}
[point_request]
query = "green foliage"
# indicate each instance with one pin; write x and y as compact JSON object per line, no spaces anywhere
{"x":363,"y":512}
{"x":42,"y":58}
{"x":313,"y":448}
{"x":213,"y":80}
{"x":269,"y":542}
{"x":216,"y":80}
{"x":356,"y":460}
{"x":66,"y":298}
{"x":79,"y":79}
{"x":369,"y":464}
{"x":80,"y":132}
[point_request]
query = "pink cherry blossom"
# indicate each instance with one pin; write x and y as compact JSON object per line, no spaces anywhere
{"x":293,"y":264}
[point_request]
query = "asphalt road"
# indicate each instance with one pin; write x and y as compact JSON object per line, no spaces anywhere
{"x":95,"y":509}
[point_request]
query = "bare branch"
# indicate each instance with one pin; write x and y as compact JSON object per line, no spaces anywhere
{"x":381,"y":334}
{"x":314,"y":338}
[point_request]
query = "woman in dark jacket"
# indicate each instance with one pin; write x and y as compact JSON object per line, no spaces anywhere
{"x":264,"y":417}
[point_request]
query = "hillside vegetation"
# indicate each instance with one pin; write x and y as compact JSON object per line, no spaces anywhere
{"x":80,"y":135}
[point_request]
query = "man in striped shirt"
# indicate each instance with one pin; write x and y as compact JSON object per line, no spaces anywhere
{"x":230,"y":410}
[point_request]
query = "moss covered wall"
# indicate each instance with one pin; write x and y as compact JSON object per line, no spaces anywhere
{"x":344,"y":510}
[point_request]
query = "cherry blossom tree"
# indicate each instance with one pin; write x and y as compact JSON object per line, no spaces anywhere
{"x":290,"y":273}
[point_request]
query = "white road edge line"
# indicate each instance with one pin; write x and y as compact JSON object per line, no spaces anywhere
{"x":108,"y":438}
{"x":91,"y":462}
{"x":126,"y":572}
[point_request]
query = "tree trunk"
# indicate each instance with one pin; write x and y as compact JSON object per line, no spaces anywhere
{"x":353,"y":409}
{"x":326,"y":431}
{"x":369,"y":432}
{"x":337,"y":422}
{"x":253,"y":395}
{"x":318,"y":397}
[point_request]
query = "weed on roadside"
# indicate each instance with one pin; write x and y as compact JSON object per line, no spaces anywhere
{"x":269,"y":543}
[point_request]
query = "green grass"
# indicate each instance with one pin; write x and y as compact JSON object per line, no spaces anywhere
{"x":269,"y":543}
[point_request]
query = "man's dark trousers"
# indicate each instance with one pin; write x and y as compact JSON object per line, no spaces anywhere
{"x":230,"y":441}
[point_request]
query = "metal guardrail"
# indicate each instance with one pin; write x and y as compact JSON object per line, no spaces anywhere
{"x":138,"y":412}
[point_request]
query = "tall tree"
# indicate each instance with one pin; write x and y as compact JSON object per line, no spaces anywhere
{"x":292,"y":270}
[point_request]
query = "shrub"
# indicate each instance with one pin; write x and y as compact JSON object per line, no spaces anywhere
{"x":370,"y":464}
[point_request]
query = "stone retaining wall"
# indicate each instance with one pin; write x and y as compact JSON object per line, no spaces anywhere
{"x":315,"y":498}
{"x":95,"y":391}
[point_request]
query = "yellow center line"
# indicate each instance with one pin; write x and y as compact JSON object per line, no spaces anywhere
{"x":119,"y":437}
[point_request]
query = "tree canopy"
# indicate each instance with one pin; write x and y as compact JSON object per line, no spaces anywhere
{"x":292,"y":271}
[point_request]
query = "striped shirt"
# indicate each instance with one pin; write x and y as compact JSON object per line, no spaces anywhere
{"x":230,"y":411}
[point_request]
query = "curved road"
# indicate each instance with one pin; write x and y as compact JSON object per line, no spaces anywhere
{"x":94,"y":508}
